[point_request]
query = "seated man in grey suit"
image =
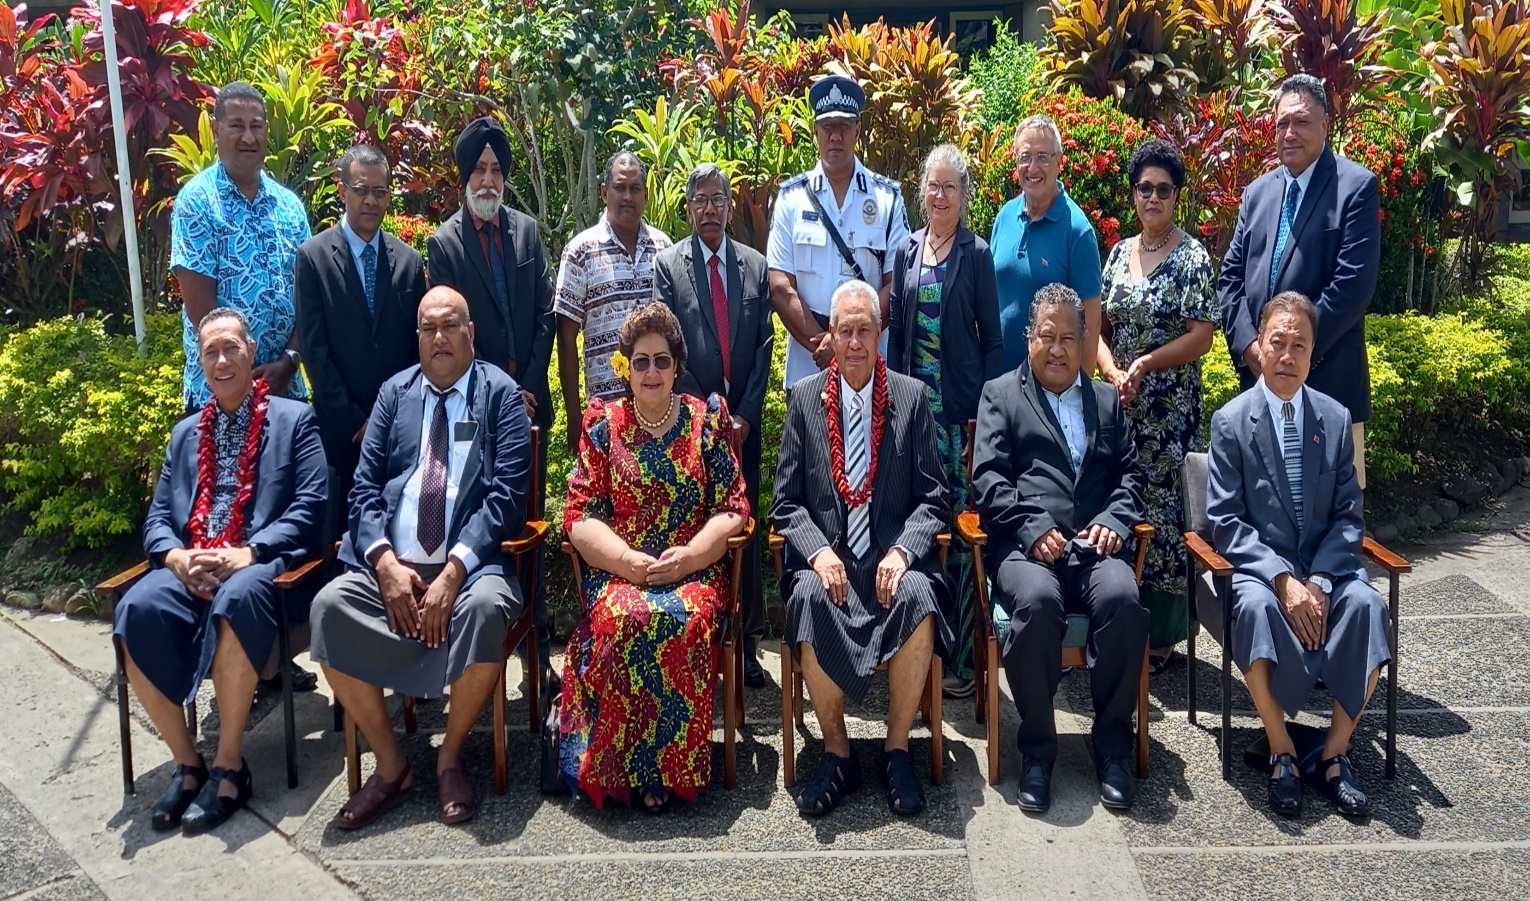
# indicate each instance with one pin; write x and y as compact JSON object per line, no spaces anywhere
{"x":860,"y":495}
{"x":1285,"y":510}
{"x":426,"y":599}
{"x":719,"y":291}
{"x":1056,"y":481}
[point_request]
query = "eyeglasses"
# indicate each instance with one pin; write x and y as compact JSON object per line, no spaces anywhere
{"x":702,"y":201}
{"x":379,"y":192}
{"x":1040,"y":159}
{"x":948,"y":189}
{"x":429,"y":330}
{"x":1145,"y":189}
{"x":662,"y":362}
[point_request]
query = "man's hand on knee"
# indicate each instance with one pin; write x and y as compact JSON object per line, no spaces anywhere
{"x":1103,"y":539}
{"x":1050,"y":547}
{"x":436,"y":605}
{"x":831,"y":573}
{"x":399,"y":585}
{"x":889,"y":576}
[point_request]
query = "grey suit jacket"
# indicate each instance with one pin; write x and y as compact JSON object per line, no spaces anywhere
{"x":1249,"y":502}
{"x":681,"y":281}
{"x":909,"y":500}
{"x":491,"y":494}
{"x":291,"y":488}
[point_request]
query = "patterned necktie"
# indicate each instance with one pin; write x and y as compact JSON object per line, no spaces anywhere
{"x":855,"y":473}
{"x":430,"y":526}
{"x":369,"y":274}
{"x":1287,"y":217}
{"x":720,"y":314}
{"x":1293,"y":451}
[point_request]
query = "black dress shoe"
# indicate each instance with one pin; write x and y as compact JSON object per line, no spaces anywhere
{"x":1342,"y":789}
{"x":1285,"y":786}
{"x":754,"y":675}
{"x":1117,"y":787}
{"x":210,"y":810}
{"x":302,"y":680}
{"x":1035,"y":794}
{"x":172,"y":805}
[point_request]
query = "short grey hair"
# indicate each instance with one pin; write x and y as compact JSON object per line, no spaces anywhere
{"x":1056,"y":294}
{"x":1308,"y":86}
{"x":706,"y":172}
{"x":951,"y":155}
{"x":1040,"y":123}
{"x":856,"y":288}
{"x":218,"y":314}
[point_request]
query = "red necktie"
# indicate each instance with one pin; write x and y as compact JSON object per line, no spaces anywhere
{"x":720,"y":313}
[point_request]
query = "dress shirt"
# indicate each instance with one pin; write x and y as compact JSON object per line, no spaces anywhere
{"x":1279,"y":421}
{"x":1068,"y":407}
{"x":403,"y":533}
{"x":357,"y":245}
{"x":845,"y":413}
{"x":708,"y":253}
{"x":1302,"y":181}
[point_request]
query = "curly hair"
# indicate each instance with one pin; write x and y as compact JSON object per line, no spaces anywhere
{"x":1159,"y":154}
{"x":653,"y":318}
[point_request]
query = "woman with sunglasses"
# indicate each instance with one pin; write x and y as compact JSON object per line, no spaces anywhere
{"x":654,"y":497}
{"x":1159,"y":313}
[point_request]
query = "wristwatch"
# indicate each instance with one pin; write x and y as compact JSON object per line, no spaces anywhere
{"x":293,"y":357}
{"x":1323,"y":583}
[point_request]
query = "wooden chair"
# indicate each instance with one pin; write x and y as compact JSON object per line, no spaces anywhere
{"x":524,"y":628}
{"x":1218,"y":598}
{"x":985,"y":641}
{"x":791,"y":683}
{"x":291,"y":638}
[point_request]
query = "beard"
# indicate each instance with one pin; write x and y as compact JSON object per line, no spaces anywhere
{"x":484,"y":203}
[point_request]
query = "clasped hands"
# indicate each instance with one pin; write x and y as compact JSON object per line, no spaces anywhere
{"x":668,"y":568}
{"x":831,"y":574}
{"x":1129,"y":380}
{"x":1052,"y":546}
{"x":1306,"y":609}
{"x":415,"y":609}
{"x":202,"y":571}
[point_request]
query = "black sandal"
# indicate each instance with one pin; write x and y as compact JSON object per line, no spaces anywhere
{"x":172,"y":805}
{"x":905,"y":794}
{"x":1342,"y":789}
{"x":1158,"y":664}
{"x":211,"y":809}
{"x":837,"y":777}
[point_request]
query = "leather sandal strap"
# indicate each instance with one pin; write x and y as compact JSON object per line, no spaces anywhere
{"x":364,"y":806}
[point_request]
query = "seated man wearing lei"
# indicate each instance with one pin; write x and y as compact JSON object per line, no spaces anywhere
{"x":240,"y":500}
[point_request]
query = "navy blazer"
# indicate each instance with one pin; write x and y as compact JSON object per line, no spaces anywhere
{"x":1331,"y":256}
{"x":491,"y":494}
{"x":291,"y":488}
{"x":1249,"y":502}
{"x":1023,"y":480}
{"x":971,"y":344}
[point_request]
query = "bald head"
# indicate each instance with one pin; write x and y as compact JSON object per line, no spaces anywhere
{"x":446,"y":336}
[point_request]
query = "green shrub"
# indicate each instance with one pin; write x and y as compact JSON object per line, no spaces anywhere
{"x":83,"y":424}
{"x":1010,"y":76}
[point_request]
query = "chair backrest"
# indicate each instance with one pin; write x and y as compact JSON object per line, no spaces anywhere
{"x":534,"y":499}
{"x":1193,"y":479}
{"x":967,"y":452}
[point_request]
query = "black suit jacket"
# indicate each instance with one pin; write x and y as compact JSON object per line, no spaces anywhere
{"x":491,"y":495}
{"x":1022,"y":474}
{"x":455,"y":258}
{"x":909,"y":500}
{"x":1331,"y":256}
{"x":971,"y":345}
{"x":681,"y":281}
{"x":348,"y":351}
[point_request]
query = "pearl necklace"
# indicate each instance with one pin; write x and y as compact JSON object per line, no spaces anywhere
{"x":653,"y":426}
{"x":1154,"y":248}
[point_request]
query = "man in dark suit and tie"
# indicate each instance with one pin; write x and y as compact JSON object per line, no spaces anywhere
{"x":1056,"y":481}
{"x":492,"y":255}
{"x":356,"y":288}
{"x":860,"y":496}
{"x":1285,"y":510}
{"x":1312,"y":226}
{"x":427,"y":596}
{"x":719,"y":291}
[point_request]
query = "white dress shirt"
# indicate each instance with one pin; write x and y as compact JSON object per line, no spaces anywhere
{"x":1279,"y":421}
{"x":1068,"y":407}
{"x":356,"y":244}
{"x":865,"y":394}
{"x":708,"y":253}
{"x":1303,"y":181}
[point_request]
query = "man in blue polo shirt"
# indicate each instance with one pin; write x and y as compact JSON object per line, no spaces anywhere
{"x":1043,"y":237}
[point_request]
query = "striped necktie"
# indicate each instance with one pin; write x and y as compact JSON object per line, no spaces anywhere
{"x":855,"y":473}
{"x":1287,"y":219}
{"x":1293,"y":452}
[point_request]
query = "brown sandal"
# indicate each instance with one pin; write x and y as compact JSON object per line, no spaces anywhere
{"x":374,"y":799}
{"x":456,"y":796}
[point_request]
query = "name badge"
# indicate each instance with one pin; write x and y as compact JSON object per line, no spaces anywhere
{"x":809,"y":215}
{"x":465,"y":430}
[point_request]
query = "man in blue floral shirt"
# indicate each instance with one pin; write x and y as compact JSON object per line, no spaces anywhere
{"x":234,"y":237}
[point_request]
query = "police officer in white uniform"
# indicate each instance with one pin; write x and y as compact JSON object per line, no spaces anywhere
{"x":837,"y":222}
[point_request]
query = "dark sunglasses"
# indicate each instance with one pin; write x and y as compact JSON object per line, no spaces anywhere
{"x":380,"y":192}
{"x":1145,"y":190}
{"x":662,"y":362}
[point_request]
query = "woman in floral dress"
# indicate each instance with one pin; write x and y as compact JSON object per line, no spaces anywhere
{"x":654,"y":496}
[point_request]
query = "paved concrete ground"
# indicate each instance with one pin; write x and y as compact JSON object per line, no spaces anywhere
{"x":1452,"y":822}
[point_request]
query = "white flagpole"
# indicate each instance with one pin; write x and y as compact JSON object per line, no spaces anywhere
{"x":124,"y":173}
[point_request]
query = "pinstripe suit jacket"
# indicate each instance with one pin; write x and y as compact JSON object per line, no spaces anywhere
{"x":909,"y":501}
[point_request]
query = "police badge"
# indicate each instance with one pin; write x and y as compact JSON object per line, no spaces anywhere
{"x":869,"y":211}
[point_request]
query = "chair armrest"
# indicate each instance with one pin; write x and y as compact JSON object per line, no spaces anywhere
{"x":943,"y":539}
{"x":530,"y":538}
{"x":114,"y":587}
{"x":1143,"y":531}
{"x":1209,"y":560}
{"x":970,"y":528}
{"x":775,"y":542}
{"x":742,"y":538}
{"x":292,"y":578}
{"x":1384,"y":558}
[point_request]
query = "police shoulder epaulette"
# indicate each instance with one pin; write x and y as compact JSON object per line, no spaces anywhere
{"x":883,"y":181}
{"x":794,"y":182}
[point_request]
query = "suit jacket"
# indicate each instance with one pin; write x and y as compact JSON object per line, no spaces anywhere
{"x":971,"y":344}
{"x":291,"y":488}
{"x":491,"y":494}
{"x":1331,"y":256}
{"x":909,"y":501}
{"x":348,"y":351}
{"x":454,"y":258}
{"x":1249,"y":502}
{"x":1023,"y":479}
{"x":681,"y":282}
